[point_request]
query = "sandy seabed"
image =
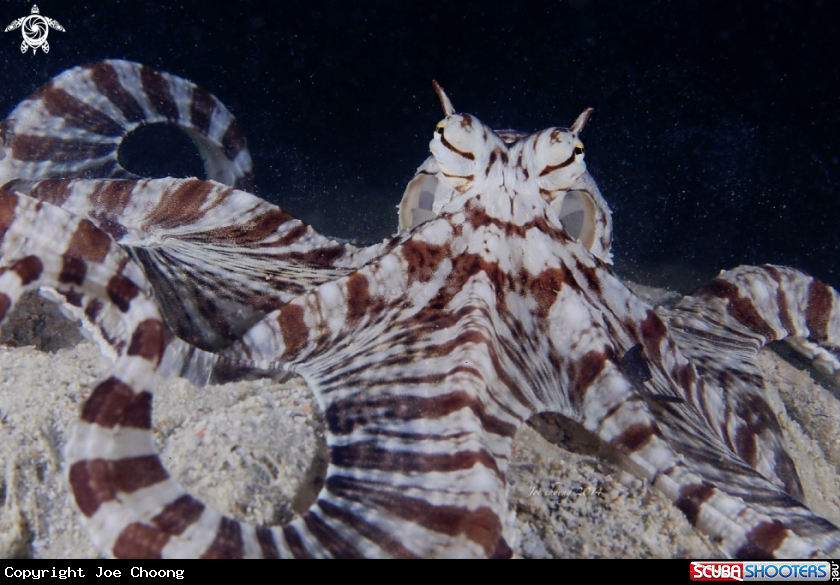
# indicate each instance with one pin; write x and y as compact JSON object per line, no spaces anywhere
{"x":255,"y":450}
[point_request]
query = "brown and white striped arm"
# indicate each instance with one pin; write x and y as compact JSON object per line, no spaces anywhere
{"x":741,"y":311}
{"x":73,"y":126}
{"x":217,"y":258}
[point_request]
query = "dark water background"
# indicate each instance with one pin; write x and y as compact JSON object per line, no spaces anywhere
{"x":715,"y":137}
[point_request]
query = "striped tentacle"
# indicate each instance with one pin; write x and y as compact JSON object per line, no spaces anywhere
{"x":746,"y":515}
{"x":668,"y":443}
{"x":113,"y":445}
{"x":721,"y":425}
{"x":217,"y":258}
{"x":771,"y":303}
{"x":129,"y":504}
{"x":765,"y":520}
{"x":73,"y":238}
{"x":750,"y":512}
{"x":73,"y":126}
{"x":623,"y":377}
{"x":741,"y":311}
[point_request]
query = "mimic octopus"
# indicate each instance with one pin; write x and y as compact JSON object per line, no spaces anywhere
{"x":426,"y":352}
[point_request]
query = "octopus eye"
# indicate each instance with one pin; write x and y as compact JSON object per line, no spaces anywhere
{"x":578,"y":150}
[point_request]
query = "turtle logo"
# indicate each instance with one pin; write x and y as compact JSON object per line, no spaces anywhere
{"x":35,"y":28}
